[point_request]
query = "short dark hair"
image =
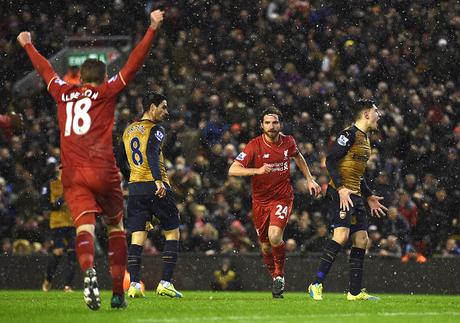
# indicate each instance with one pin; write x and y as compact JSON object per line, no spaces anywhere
{"x":152,"y":97}
{"x":93,"y":71}
{"x":359,"y":106}
{"x":271,"y":110}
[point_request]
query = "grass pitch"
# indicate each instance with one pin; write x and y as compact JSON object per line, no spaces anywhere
{"x":203,"y":306}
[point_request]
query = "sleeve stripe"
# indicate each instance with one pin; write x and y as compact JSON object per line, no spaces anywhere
{"x":49,"y":83}
{"x":121,"y":78}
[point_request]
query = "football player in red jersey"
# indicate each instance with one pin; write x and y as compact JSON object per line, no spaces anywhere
{"x":89,"y":172}
{"x":267,"y":159}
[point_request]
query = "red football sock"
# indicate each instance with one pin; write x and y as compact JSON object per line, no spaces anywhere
{"x":84,"y":247}
{"x":279,"y":256}
{"x":118,"y":256}
{"x":269,"y":263}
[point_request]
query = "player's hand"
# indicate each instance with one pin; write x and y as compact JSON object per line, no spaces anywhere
{"x":24,"y":38}
{"x":156,"y":18}
{"x":17,"y":122}
{"x":313,"y":187}
{"x":161,"y":189}
{"x":345,"y":199}
{"x":265,"y":169}
{"x":377,"y":209}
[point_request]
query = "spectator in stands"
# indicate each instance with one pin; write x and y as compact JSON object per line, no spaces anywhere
{"x":451,"y":249}
{"x":310,"y":61}
{"x":390,"y":247}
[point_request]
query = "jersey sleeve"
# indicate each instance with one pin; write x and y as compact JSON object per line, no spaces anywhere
{"x":56,"y":87}
{"x":246,"y":157}
{"x":293,"y":149}
{"x":133,"y":64}
{"x":122,"y":160}
{"x":5,"y":125}
{"x":365,"y":190}
{"x":340,"y":147}
{"x":156,"y":137}
{"x":41,"y":64}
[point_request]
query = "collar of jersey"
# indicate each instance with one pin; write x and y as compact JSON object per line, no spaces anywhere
{"x":273,"y":144}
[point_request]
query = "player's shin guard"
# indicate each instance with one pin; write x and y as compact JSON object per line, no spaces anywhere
{"x":269,"y":263}
{"x":117,"y":260}
{"x":279,"y":257}
{"x":134,"y":262}
{"x":84,"y":246}
{"x":71,"y":265}
{"x":170,"y":250}
{"x":356,"y":269}
{"x":330,"y":251}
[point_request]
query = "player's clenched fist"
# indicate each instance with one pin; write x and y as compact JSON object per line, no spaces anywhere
{"x":24,"y":38}
{"x":156,"y":18}
{"x":265,"y":169}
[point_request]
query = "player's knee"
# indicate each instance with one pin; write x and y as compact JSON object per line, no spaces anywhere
{"x":58,"y":251}
{"x":85,"y":219}
{"x":360,"y":241}
{"x":172,"y":234}
{"x":115,"y":227}
{"x":340,"y":238}
{"x":265,"y":247}
{"x":275,"y":240}
{"x":341,"y":235}
{"x":86,"y":228}
{"x":138,"y":237}
{"x":275,"y":235}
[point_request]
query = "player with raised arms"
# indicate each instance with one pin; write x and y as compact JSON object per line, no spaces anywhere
{"x":267,"y":159}
{"x":89,"y":173}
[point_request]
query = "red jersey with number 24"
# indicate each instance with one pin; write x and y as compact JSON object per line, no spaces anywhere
{"x":276,"y":185}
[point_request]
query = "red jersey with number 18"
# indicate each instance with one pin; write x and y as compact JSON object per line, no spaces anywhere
{"x":86,"y":113}
{"x":86,"y":117}
{"x":276,"y":185}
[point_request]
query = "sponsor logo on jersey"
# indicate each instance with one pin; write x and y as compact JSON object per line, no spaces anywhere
{"x":59,"y":81}
{"x":266,"y":156}
{"x":241,"y":156}
{"x":342,"y":141}
{"x":159,"y":135}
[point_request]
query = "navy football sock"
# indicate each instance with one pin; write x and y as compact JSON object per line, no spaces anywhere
{"x":71,"y":265}
{"x":51,"y":267}
{"x":356,"y":269}
{"x":330,"y":251}
{"x":134,"y":262}
{"x":169,"y":258}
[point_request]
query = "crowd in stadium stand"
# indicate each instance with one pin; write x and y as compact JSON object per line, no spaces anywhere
{"x":220,"y":63}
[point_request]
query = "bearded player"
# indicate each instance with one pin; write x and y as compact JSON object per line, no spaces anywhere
{"x":266,"y":159}
{"x":89,"y":172}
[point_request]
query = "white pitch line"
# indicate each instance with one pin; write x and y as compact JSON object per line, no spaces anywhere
{"x":287,"y":316}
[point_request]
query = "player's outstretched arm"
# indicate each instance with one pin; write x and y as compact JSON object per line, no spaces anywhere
{"x":41,"y":64}
{"x":139,"y":53}
{"x":237,"y":169}
{"x":122,"y":161}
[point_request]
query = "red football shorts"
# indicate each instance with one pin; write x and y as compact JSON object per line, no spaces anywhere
{"x":276,"y":213}
{"x":93,"y":190}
